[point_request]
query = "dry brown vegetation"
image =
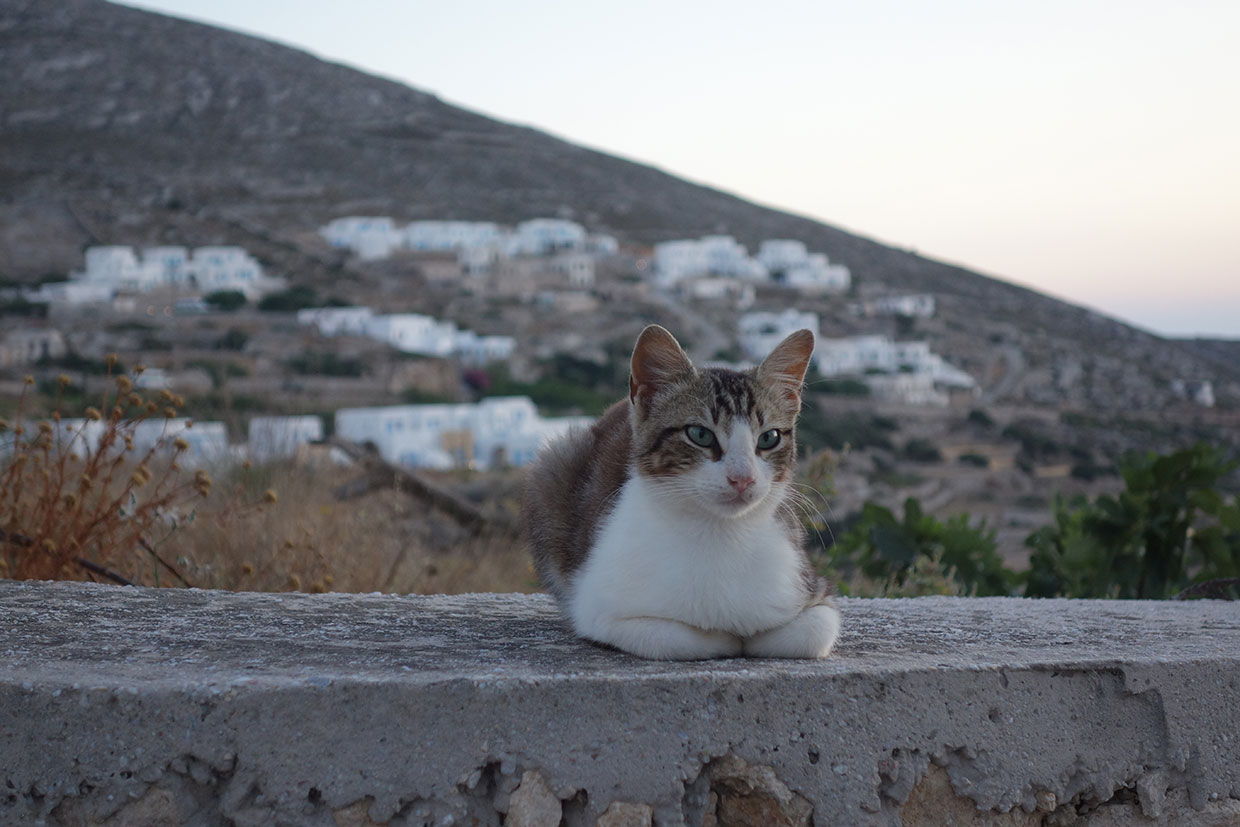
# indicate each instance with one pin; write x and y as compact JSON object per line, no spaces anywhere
{"x":104,"y":509}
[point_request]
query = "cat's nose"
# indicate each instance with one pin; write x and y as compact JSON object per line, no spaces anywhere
{"x":741,"y":484}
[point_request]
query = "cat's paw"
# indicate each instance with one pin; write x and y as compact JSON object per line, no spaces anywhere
{"x":662,"y":639}
{"x":811,"y":634}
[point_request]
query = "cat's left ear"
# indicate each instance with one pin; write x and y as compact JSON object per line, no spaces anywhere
{"x":786,"y":366}
{"x":657,"y":360}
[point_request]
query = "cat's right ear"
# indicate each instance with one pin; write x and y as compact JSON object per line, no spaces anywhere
{"x":657,"y":360}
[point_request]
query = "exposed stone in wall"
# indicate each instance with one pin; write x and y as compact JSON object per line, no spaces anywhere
{"x":619,"y":814}
{"x":533,"y":804}
{"x":933,"y":803}
{"x":750,"y":796}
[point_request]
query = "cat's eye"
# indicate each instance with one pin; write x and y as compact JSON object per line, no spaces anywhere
{"x":768,"y":439}
{"x":699,"y":435}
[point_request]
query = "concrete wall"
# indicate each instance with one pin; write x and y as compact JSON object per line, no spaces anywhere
{"x":135,"y":706}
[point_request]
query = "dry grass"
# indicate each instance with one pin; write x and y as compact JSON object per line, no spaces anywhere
{"x":113,"y":512}
{"x":283,"y":530}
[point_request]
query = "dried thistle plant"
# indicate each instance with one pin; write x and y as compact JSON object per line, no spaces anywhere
{"x":76,"y":502}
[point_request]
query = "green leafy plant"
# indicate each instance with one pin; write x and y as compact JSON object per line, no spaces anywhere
{"x":883,"y":548}
{"x":1170,"y":528}
{"x":225,"y":300}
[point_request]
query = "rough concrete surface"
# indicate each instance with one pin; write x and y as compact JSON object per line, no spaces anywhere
{"x":141,"y":706}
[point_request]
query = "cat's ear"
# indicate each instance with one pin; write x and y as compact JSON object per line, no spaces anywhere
{"x":786,"y":366}
{"x":657,"y":360}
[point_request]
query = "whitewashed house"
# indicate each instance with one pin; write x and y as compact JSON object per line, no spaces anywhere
{"x":226,"y":268}
{"x":601,"y":244}
{"x":790,"y":264}
{"x":337,"y":321}
{"x":370,"y":237}
{"x":1199,"y":391}
{"x":712,"y":255}
{"x":448,"y":236}
{"x":543,"y":236}
{"x":279,"y":437}
{"x":478,"y":350}
{"x":578,"y":268}
{"x":760,"y":331}
{"x":414,"y":333}
{"x":27,"y":345}
{"x":171,"y":263}
{"x":919,"y":306}
{"x":207,"y":441}
{"x":490,"y":433}
{"x":907,"y":371}
{"x":119,"y":268}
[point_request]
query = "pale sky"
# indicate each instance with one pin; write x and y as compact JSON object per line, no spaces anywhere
{"x":1090,"y":150}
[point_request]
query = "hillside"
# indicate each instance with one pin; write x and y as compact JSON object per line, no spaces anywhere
{"x":122,"y":126}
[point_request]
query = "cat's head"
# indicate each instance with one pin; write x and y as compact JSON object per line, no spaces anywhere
{"x":716,"y":440}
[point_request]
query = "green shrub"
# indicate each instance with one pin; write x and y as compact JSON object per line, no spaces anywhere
{"x":225,"y":300}
{"x":883,"y":548}
{"x":1170,"y":528}
{"x":922,"y":450}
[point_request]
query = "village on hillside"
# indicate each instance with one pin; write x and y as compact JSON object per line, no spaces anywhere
{"x":463,"y":345}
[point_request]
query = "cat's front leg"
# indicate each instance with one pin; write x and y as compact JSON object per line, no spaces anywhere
{"x":811,"y":634}
{"x":663,"y":639}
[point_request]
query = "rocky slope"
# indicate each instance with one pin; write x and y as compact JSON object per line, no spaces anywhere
{"x":122,"y":126}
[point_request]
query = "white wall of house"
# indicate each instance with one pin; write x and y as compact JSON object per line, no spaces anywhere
{"x":27,"y":345}
{"x":760,"y":331}
{"x":507,"y":429}
{"x":337,"y":321}
{"x":543,"y":236}
{"x":277,"y":437}
{"x":208,"y":441}
{"x":225,"y":268}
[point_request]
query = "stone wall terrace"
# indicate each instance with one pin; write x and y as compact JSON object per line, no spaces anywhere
{"x":140,"y":706}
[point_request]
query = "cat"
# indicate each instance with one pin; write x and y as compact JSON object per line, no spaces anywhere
{"x":666,"y":530}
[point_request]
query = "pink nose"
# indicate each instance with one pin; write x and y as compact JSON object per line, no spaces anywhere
{"x":741,"y":484}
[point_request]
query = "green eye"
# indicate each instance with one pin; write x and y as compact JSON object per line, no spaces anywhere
{"x":768,"y":439}
{"x":700,"y":436}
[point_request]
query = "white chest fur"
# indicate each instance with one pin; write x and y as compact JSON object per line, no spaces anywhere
{"x":739,"y":575}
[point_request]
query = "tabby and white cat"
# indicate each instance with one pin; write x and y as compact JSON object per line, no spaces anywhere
{"x":666,"y":529}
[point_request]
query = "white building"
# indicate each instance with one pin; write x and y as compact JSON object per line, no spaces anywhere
{"x":409,"y":332}
{"x":119,"y":268}
{"x":226,"y":268}
{"x":790,"y":264}
{"x":448,"y":236}
{"x":493,"y":432}
{"x":543,"y":236}
{"x":578,"y":268}
{"x":27,"y":345}
{"x":278,"y":437}
{"x":207,"y":441}
{"x":414,"y":333}
{"x":759,"y":332}
{"x":877,"y":359}
{"x":370,"y":237}
{"x":337,"y":321}
{"x":1200,"y":391}
{"x":111,"y":269}
{"x":478,"y":350}
{"x":918,"y":305}
{"x":171,"y":263}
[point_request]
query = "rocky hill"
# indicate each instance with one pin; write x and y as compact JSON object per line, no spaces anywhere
{"x":122,"y":126}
